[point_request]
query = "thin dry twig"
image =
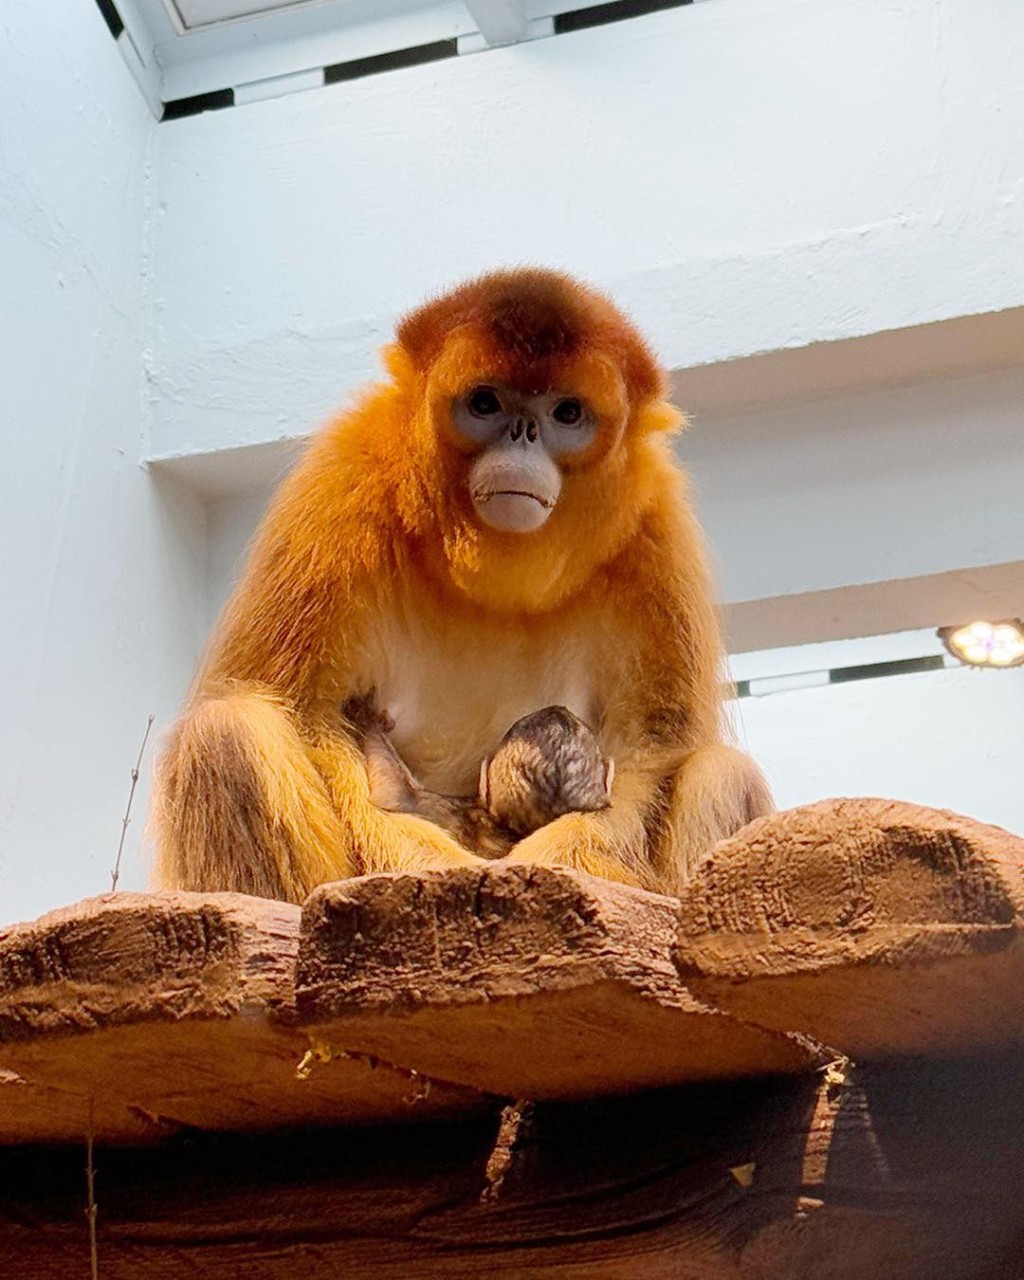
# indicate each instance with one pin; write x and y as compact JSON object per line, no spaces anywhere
{"x":91,"y":1208}
{"x":116,"y":872}
{"x":513,"y":1130}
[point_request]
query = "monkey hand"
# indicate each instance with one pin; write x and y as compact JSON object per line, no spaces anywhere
{"x":591,"y":842}
{"x":407,"y":842}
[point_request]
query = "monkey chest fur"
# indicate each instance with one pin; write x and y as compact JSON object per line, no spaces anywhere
{"x":453,"y":686}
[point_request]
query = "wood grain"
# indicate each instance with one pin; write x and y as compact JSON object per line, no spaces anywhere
{"x":143,"y":1014}
{"x":874,"y":926}
{"x":905,"y":1171}
{"x":520,"y":981}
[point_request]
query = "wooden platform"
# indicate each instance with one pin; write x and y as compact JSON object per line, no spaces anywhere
{"x":811,"y":1066}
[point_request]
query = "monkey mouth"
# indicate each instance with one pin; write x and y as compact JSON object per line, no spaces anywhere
{"x":512,"y":509}
{"x":485,"y":495}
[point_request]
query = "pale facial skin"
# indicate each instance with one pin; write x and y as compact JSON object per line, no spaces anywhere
{"x":516,"y":479}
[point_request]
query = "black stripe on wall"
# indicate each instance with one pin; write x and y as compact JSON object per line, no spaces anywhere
{"x":874,"y":670}
{"x":396,"y":59}
{"x":215,"y":100}
{"x":615,"y":11}
{"x":111,"y":17}
{"x":392,"y":61}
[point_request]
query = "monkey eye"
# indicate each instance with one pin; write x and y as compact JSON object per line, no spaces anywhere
{"x":568,"y":412}
{"x":484,"y":403}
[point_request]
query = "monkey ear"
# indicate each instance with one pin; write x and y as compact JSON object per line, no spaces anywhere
{"x":659,"y":415}
{"x":609,"y":777}
{"x":484,"y":784}
{"x":398,"y":362}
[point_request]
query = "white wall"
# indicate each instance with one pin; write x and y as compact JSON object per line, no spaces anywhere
{"x":230,"y":525}
{"x":99,"y":570}
{"x":862,"y":488}
{"x":952,"y":739}
{"x":744,"y":175}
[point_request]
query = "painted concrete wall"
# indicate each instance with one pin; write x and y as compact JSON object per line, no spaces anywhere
{"x":99,"y":570}
{"x":952,"y":739}
{"x":744,"y":175}
{"x":863,"y":488}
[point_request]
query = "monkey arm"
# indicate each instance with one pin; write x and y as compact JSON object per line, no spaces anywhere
{"x":260,"y":788}
{"x":383,"y":840}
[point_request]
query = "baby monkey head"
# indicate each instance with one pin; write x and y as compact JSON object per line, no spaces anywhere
{"x":548,"y":764}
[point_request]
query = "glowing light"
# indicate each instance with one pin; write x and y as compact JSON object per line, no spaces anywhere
{"x":986,"y":644}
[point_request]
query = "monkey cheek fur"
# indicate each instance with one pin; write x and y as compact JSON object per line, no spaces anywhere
{"x":512,"y":512}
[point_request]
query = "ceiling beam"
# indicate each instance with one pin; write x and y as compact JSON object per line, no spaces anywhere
{"x":931,"y":600}
{"x":499,"y":21}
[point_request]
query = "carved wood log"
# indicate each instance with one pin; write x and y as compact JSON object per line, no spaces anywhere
{"x":522,"y":981}
{"x":875,"y":926}
{"x":910,"y":1171}
{"x":145,"y":1014}
{"x":176,"y":1019}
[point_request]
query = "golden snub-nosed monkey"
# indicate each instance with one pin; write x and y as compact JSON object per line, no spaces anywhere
{"x":498,"y":528}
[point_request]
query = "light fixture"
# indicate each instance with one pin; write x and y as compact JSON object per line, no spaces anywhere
{"x":986,"y":644}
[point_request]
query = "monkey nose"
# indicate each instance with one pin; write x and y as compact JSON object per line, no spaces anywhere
{"x":523,"y":427}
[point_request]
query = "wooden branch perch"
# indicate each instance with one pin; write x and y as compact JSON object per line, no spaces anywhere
{"x":692,"y":1108}
{"x":172,"y":1011}
{"x":521,"y":981}
{"x":874,"y":926}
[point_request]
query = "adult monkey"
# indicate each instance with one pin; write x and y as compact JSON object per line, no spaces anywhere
{"x":500,"y":527}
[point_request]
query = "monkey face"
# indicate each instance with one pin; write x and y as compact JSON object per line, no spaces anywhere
{"x":529,"y":407}
{"x":515,"y":480}
{"x":519,"y":434}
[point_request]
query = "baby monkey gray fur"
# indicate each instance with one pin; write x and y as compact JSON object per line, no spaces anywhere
{"x":548,"y":764}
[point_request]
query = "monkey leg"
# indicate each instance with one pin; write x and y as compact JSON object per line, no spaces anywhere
{"x":245,"y":803}
{"x":715,"y":791}
{"x":611,"y":842}
{"x":660,"y":826}
{"x":242,"y":807}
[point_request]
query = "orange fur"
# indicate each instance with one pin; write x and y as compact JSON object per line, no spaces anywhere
{"x":371,"y":571}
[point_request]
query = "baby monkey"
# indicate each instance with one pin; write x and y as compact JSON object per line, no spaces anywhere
{"x":549,"y":763}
